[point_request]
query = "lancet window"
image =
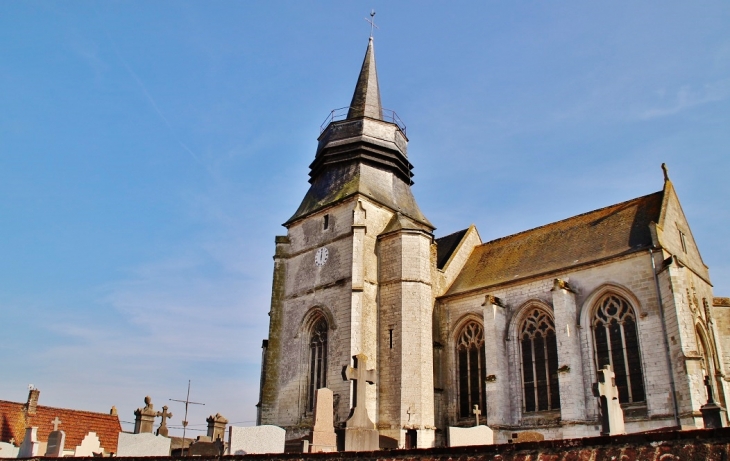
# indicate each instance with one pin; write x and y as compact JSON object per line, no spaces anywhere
{"x":539,"y":353}
{"x":472,"y":370}
{"x":617,"y":344}
{"x":317,"y":360}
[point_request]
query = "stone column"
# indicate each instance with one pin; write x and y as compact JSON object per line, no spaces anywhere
{"x":144,"y":418}
{"x":570,"y":361}
{"x":495,"y":354}
{"x":216,"y":427}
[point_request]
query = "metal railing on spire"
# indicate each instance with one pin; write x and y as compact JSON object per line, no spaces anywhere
{"x":336,"y":115}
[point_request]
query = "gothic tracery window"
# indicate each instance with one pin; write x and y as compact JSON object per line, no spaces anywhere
{"x":472,"y":370}
{"x":317,"y":360}
{"x":617,"y":344}
{"x":539,"y":354}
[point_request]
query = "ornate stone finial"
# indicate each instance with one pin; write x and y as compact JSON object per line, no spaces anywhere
{"x":493,"y":300}
{"x":147,"y":400}
{"x":665,"y":169}
{"x":561,"y":285}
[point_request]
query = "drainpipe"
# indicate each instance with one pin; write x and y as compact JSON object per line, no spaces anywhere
{"x":666,"y":341}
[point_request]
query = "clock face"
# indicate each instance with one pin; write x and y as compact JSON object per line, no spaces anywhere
{"x":321,"y":256}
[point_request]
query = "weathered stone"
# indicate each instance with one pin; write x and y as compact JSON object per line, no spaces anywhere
{"x":324,"y":438}
{"x":90,"y":446}
{"x":466,"y":436}
{"x":145,"y":444}
{"x":255,"y":439}
{"x":30,"y":445}
{"x":144,"y":418}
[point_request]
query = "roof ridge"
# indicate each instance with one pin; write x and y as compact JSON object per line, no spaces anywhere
{"x":453,"y":233}
{"x":571,"y":218}
{"x":61,"y":408}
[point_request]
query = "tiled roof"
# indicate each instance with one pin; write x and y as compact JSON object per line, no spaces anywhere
{"x":592,"y":236}
{"x":446,"y":246}
{"x":75,"y":423}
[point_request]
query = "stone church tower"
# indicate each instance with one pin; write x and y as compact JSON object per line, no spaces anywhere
{"x":353,"y":276}
{"x":519,"y":326}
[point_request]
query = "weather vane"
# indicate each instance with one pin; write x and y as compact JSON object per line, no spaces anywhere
{"x":372,"y":22}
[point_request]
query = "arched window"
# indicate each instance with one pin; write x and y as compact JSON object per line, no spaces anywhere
{"x":471,"y":368}
{"x":540,"y":390}
{"x":616,"y":344}
{"x":317,"y":360}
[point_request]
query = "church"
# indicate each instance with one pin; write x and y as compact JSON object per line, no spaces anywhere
{"x":515,"y":328}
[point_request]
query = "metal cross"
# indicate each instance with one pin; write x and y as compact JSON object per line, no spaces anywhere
{"x":477,"y":412}
{"x":55,"y":423}
{"x":185,"y":419}
{"x":372,"y":22}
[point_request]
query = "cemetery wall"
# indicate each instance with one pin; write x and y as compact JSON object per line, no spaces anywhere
{"x":705,"y":444}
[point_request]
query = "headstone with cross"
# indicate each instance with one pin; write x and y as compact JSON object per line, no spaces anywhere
{"x":477,"y":412}
{"x":162,"y":430}
{"x":612,"y":416}
{"x":56,"y":441}
{"x":711,"y":412}
{"x":360,"y":432}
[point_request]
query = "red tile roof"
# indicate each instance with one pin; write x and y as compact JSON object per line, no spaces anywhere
{"x":608,"y":232}
{"x":75,"y":423}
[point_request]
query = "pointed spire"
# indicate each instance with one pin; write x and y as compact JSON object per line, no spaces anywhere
{"x":366,"y":99}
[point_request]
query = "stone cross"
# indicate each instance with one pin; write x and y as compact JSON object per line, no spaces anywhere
{"x":361,"y":375}
{"x":477,"y":412}
{"x":360,"y":432}
{"x":162,"y":430}
{"x":56,"y":423}
{"x":410,"y":413}
{"x":612,"y":416}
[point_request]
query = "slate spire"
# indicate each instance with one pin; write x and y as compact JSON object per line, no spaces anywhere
{"x":366,"y":99}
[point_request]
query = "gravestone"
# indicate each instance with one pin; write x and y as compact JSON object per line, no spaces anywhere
{"x":466,"y":436}
{"x":612,"y":416}
{"x":360,"y":432}
{"x":711,"y":412}
{"x":142,"y":445}
{"x":144,"y":418}
{"x":162,"y":430}
{"x":255,"y":439}
{"x":29,"y":447}
{"x":324,"y":438}
{"x":216,"y":427}
{"x":56,"y":441}
{"x":89,"y":446}
{"x":8,"y":450}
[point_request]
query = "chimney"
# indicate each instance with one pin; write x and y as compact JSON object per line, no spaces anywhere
{"x":32,"y":401}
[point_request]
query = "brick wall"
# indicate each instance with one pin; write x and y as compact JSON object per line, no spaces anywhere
{"x":704,"y":444}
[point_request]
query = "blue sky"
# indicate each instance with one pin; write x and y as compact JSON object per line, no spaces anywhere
{"x":149,"y":152}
